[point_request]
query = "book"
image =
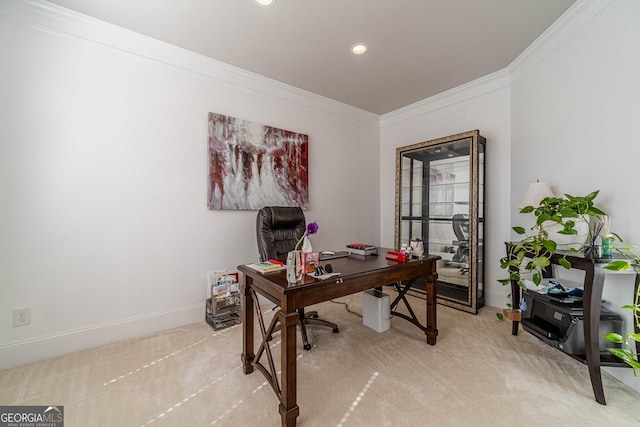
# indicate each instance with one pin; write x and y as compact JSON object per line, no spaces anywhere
{"x":267,"y":266}
{"x":362,"y":249}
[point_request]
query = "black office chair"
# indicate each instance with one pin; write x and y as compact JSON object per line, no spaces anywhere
{"x":278,"y":229}
{"x":461,"y":230}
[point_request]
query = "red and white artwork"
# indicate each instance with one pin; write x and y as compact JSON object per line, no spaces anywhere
{"x":253,"y":165}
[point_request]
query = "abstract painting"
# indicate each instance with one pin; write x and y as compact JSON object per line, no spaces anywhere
{"x":253,"y":165}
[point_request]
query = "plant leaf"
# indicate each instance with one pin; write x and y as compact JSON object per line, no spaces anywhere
{"x":634,"y":364}
{"x":625,"y":355}
{"x":543,"y":217}
{"x":566,"y":264}
{"x":613,"y":337}
{"x":550,"y":245}
{"x":541,"y":261}
{"x":569,"y":213}
{"x":537,"y":278}
{"x":519,"y":230}
{"x":618,"y":265}
{"x":592,"y":195}
{"x":595,"y":211}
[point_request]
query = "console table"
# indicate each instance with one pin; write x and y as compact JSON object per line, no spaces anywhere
{"x":592,"y":296}
{"x":357,"y":274}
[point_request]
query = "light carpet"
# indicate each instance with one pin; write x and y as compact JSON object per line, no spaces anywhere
{"x":478,"y":374}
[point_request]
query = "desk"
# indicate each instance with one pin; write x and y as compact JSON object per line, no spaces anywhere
{"x":357,"y":274}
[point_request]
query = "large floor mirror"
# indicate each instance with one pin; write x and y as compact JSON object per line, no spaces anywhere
{"x":440,"y":199}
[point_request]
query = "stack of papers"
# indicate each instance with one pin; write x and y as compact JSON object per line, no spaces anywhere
{"x":266,"y":267}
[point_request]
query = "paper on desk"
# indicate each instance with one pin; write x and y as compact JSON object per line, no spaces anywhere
{"x":324,"y":276}
{"x":542,"y":288}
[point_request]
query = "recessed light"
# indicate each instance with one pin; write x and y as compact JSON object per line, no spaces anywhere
{"x":358,"y":48}
{"x":265,"y":2}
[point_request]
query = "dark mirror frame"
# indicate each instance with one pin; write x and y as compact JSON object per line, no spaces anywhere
{"x":468,"y":144}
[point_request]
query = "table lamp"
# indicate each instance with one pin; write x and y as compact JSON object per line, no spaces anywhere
{"x":535,"y":193}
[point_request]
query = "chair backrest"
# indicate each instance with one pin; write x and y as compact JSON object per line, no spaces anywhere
{"x":461,"y":227}
{"x":278,"y":229}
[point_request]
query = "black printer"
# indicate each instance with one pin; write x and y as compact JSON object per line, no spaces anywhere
{"x":558,"y":321}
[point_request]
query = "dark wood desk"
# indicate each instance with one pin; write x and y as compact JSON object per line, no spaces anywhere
{"x":357,"y":274}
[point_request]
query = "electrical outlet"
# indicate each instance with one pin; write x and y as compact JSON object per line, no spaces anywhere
{"x":21,"y":317}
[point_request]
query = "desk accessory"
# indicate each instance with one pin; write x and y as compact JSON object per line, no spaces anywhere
{"x":311,"y":261}
{"x":327,"y":255}
{"x":417,"y":247}
{"x":267,"y":266}
{"x":397,"y":256}
{"x":362,"y":249}
{"x":295,"y":266}
{"x":223,"y":307}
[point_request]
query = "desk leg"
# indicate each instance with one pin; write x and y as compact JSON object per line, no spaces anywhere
{"x":591,"y":306}
{"x":289,"y":409}
{"x":432,"y":304}
{"x":248,"y":355}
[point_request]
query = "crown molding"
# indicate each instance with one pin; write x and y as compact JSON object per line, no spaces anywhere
{"x":63,"y":22}
{"x":491,"y":82}
{"x":580,"y":14}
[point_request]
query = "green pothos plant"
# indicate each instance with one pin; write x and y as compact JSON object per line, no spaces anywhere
{"x":532,"y":254}
{"x":627,"y":352}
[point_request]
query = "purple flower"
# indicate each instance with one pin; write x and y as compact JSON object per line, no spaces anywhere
{"x":312,"y":228}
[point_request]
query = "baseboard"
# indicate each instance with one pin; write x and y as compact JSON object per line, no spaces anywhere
{"x":45,"y":347}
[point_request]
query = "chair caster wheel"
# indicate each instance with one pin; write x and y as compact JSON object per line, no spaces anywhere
{"x":307,"y":347}
{"x":336,"y":330}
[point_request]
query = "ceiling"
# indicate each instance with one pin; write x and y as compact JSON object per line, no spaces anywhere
{"x":417,"y":48}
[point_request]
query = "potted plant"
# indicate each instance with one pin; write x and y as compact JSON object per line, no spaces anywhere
{"x":627,"y":352}
{"x":532,"y":254}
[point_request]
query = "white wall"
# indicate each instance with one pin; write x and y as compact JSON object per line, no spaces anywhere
{"x":575,"y":115}
{"x":574,"y":125}
{"x":104,"y":229}
{"x":563,"y":112}
{"x":482,"y":105}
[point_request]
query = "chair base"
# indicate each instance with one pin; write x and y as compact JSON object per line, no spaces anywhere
{"x":310,"y":318}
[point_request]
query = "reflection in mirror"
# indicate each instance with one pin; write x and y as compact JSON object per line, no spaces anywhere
{"x":440,"y":200}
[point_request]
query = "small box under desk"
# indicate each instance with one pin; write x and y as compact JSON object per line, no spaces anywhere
{"x":375,"y":310}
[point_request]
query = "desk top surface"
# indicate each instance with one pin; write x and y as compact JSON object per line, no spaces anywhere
{"x":349,"y":267}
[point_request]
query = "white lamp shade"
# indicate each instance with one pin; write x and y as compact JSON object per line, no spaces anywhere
{"x":535,"y":193}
